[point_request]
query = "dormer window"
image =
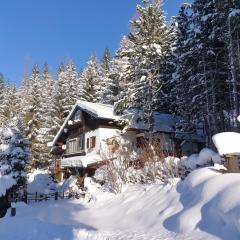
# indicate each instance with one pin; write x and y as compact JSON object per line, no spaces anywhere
{"x":78,"y":116}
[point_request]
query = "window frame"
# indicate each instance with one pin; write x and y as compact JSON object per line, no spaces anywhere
{"x":92,"y":142}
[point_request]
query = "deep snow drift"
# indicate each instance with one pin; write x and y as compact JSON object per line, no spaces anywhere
{"x":206,"y":205}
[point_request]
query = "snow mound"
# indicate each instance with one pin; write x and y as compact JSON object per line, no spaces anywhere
{"x":205,"y":157}
{"x":227,"y":142}
{"x":70,"y":184}
{"x":212,"y":201}
{"x":41,"y":182}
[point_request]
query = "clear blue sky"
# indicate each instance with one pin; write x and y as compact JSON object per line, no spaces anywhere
{"x":38,"y":31}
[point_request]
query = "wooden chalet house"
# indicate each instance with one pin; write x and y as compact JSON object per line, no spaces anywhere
{"x":76,"y":148}
{"x":80,"y":144}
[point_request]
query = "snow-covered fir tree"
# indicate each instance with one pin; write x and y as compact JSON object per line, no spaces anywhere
{"x":109,"y":79}
{"x":14,"y":156}
{"x":151,"y":39}
{"x":33,"y":117}
{"x":72,"y":80}
{"x":60,"y":96}
{"x":23,"y":98}
{"x":90,"y":78}
{"x":232,"y":10}
{"x":125,"y":69}
{"x":43,"y":133}
{"x":7,"y":106}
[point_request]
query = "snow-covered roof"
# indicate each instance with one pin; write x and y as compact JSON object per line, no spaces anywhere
{"x":80,"y":161}
{"x":163,"y":122}
{"x":98,"y":110}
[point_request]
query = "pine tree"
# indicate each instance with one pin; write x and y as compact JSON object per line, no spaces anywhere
{"x":1,"y":88}
{"x":124,"y":69}
{"x":72,"y":80}
{"x":33,"y":117}
{"x":14,"y":155}
{"x":184,"y":65}
{"x":60,"y":96}
{"x":106,"y":60}
{"x":7,"y":107}
{"x":150,"y":40}
{"x":22,"y":101}
{"x":201,"y":72}
{"x":109,"y":79}
{"x":90,"y":78}
{"x":43,"y":133}
{"x":232,"y":10}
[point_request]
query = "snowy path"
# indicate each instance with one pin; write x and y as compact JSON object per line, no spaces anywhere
{"x":50,"y":220}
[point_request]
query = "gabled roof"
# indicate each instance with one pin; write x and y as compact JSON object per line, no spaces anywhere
{"x":97,"y":110}
{"x":163,"y":122}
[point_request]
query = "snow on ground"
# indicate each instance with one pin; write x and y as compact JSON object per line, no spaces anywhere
{"x":206,"y":205}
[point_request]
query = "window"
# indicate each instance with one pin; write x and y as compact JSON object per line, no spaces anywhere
{"x":75,"y":145}
{"x":91,"y":142}
{"x":72,"y":145}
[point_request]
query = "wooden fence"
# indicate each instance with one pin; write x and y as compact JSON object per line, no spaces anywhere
{"x":38,"y":197}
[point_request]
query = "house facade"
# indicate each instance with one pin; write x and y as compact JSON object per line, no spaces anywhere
{"x":91,"y":129}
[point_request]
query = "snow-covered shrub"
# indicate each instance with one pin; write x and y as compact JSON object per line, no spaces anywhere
{"x":71,"y":186}
{"x":148,"y":164}
{"x":206,"y":157}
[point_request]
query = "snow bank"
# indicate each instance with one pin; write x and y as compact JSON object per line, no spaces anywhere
{"x":40,"y":181}
{"x":206,"y":205}
{"x":227,"y":142}
{"x":205,"y":157}
{"x":70,"y":184}
{"x":212,"y":201}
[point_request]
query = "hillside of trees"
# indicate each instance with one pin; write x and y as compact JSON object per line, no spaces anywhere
{"x":189,"y":67}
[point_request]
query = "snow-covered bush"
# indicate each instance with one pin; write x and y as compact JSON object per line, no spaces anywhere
{"x":206,"y":157}
{"x":148,"y":164}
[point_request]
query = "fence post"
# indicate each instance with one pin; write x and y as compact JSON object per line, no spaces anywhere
{"x":36,"y":197}
{"x":13,"y":209}
{"x":25,"y":197}
{"x":56,"y":195}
